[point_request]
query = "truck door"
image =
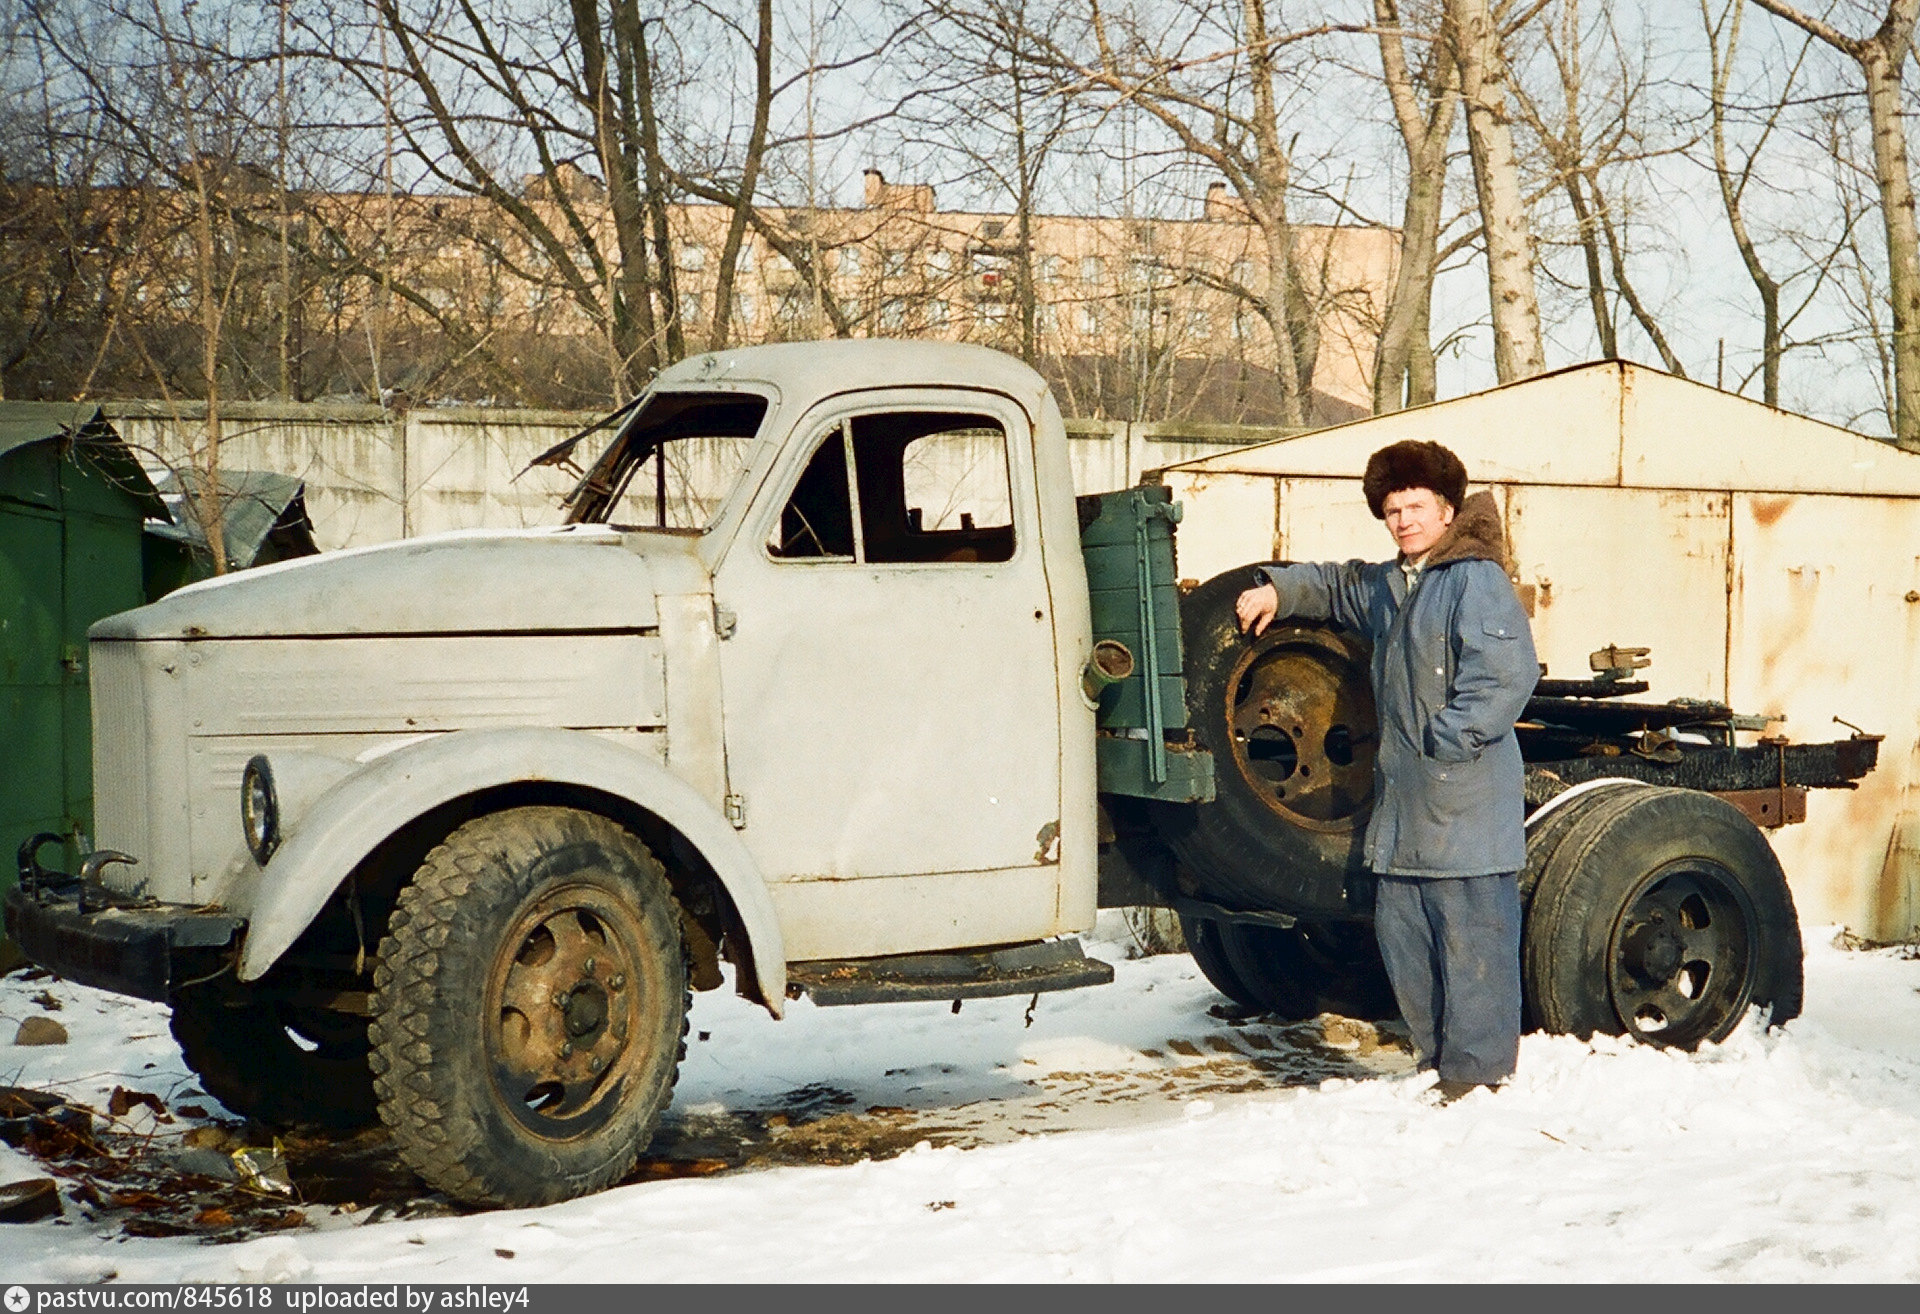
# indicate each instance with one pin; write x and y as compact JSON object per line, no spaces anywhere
{"x":892,"y":729}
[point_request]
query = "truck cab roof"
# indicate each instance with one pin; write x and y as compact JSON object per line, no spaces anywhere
{"x":803,"y":373}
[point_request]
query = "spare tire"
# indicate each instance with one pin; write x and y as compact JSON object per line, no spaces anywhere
{"x":1657,"y":913}
{"x":1289,"y":719}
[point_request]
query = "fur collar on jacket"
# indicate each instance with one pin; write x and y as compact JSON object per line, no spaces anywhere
{"x":1475,"y":534}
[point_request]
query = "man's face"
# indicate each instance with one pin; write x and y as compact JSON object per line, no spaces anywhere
{"x":1416,"y":517}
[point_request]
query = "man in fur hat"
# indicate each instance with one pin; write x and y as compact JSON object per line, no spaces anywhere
{"x":1453,"y":667}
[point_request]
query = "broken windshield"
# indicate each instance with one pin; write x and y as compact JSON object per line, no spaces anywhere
{"x":672,"y":465}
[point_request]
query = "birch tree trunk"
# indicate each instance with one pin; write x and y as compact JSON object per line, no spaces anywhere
{"x":1515,"y":305}
{"x":1403,"y":358}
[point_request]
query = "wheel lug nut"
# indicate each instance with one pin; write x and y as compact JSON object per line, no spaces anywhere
{"x":595,"y":1063}
{"x":587,"y":967}
{"x":616,"y":981}
{"x":559,"y":999}
{"x":566,"y":1050}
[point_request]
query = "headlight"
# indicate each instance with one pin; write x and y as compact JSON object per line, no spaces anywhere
{"x":259,"y":810}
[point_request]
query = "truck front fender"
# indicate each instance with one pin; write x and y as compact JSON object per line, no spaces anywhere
{"x":344,"y":824}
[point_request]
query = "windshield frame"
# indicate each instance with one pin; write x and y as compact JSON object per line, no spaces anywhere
{"x":600,"y":489}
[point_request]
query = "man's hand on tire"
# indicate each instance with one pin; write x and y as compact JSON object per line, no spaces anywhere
{"x":1256,"y":609}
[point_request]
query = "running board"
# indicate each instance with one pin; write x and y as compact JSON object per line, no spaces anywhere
{"x":1021,"y":969}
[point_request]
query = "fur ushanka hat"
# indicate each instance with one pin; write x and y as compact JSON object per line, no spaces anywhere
{"x":1412,"y":465}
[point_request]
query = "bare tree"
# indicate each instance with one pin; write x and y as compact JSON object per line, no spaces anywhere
{"x":490,"y":85}
{"x":1737,"y":178}
{"x":1882,"y":58}
{"x":1477,"y":37}
{"x":186,"y":111}
{"x":1580,"y":152}
{"x":1426,"y":99}
{"x":1221,"y":107}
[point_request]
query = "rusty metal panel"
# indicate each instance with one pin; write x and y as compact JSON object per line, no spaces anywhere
{"x":1626,"y":566}
{"x":1900,"y":875}
{"x":1822,"y":627}
{"x":1769,"y":808}
{"x":1228,"y":520}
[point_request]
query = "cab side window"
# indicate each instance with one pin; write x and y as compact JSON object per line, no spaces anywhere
{"x":933,"y":486}
{"x":817,"y":521}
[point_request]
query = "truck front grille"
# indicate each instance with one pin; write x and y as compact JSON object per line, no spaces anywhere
{"x":120,"y":772}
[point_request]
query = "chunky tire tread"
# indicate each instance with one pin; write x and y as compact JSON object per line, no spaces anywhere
{"x":461,"y":894}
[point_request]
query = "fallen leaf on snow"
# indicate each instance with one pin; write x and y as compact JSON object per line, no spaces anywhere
{"x":124,"y":1101}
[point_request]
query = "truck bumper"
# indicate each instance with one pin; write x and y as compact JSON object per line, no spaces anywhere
{"x":128,"y":950}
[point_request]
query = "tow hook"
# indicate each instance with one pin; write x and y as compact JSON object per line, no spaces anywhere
{"x":91,"y":867}
{"x":27,"y":861}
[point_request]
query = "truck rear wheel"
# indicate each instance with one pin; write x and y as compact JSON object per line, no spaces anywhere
{"x":266,"y":1060}
{"x":1660,"y":914}
{"x":530,"y":1008}
{"x":1289,"y":719}
{"x":1294,"y":972}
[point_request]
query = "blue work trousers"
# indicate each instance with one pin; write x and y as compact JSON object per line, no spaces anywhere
{"x":1452,"y":949}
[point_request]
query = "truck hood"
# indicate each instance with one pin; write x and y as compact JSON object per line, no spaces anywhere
{"x":571,"y":579}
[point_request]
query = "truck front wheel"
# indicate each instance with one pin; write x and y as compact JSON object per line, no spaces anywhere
{"x":1656,"y":913}
{"x":529,"y":1011}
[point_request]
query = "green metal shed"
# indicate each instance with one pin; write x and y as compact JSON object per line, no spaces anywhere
{"x":73,"y":503}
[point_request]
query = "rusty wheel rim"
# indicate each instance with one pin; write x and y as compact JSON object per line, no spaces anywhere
{"x":1304,"y":733}
{"x":564,"y":1009}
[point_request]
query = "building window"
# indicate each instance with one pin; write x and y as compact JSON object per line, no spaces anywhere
{"x":1199,"y":325}
{"x":690,"y":307}
{"x":745,"y":307}
{"x":939,"y":262}
{"x":850,"y":261}
{"x":1089,"y":318}
{"x":1045,"y":318}
{"x":693,"y":257}
{"x":937,"y":315}
{"x":893,"y":314}
{"x":894,"y":263}
{"x":1048,"y":269}
{"x":1092,"y":268}
{"x":1242,"y":273}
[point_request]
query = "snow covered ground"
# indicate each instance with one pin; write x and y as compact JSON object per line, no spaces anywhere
{"x":1128,"y":1134}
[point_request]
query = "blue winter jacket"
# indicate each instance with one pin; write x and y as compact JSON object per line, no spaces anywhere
{"x":1453,"y":667}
